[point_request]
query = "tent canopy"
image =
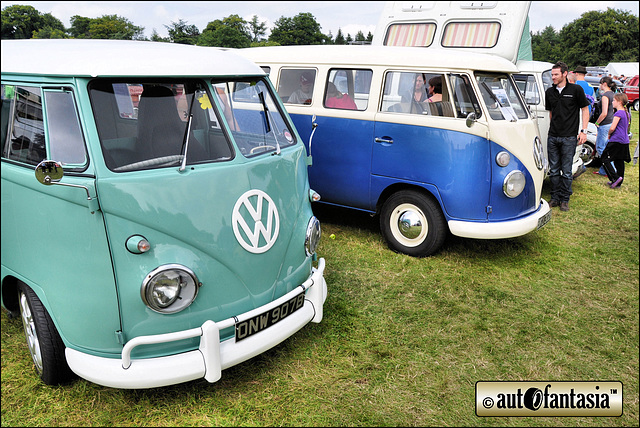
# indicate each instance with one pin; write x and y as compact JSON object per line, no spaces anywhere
{"x":629,"y":69}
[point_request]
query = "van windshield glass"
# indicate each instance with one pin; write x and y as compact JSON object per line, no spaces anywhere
{"x":256,"y":122}
{"x":501,"y":97}
{"x":143,"y":124}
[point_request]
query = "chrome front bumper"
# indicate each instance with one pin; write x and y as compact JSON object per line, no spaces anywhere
{"x":212,"y":356}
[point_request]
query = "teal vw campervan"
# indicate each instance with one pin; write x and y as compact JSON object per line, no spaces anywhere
{"x":156,"y":217}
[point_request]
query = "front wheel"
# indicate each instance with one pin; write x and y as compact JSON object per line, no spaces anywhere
{"x":44,"y":342}
{"x":412,"y":224}
{"x":636,"y":105}
{"x":587,"y":153}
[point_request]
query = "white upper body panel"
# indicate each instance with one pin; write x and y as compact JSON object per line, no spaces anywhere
{"x":93,"y":58}
{"x":386,"y":56}
{"x":493,"y":27}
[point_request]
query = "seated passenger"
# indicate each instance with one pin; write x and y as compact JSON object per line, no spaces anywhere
{"x":336,"y":99}
{"x":435,"y":89}
{"x":419,"y":91}
{"x":303,"y":95}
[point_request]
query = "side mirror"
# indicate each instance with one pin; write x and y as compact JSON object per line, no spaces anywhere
{"x":471,"y":119}
{"x":49,"y":172}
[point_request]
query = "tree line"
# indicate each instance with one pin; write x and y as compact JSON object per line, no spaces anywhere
{"x":25,"y":22}
{"x":596,"y":38}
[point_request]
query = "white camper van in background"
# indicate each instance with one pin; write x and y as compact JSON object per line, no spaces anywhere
{"x":497,"y":28}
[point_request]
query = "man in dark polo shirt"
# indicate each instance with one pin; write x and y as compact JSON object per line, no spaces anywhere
{"x":564,"y":101}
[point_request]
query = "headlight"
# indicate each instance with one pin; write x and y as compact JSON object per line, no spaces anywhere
{"x":169,"y":289}
{"x":513,"y":184}
{"x":313,"y":236}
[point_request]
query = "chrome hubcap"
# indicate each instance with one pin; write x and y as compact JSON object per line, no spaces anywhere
{"x":409,"y":225}
{"x":586,"y":153}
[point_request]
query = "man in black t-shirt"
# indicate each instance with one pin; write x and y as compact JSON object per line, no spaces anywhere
{"x":564,"y":101}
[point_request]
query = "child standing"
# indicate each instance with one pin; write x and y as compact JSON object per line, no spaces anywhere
{"x":617,"y":151}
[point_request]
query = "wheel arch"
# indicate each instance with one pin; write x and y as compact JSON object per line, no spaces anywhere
{"x":10,"y":294}
{"x":10,"y":291}
{"x":427,"y":192}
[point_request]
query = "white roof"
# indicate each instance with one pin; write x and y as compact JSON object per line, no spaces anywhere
{"x":533,"y":66}
{"x":64,"y":57}
{"x":389,"y":56}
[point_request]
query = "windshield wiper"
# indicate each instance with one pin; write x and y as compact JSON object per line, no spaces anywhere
{"x":491,"y":94}
{"x":185,"y":140}
{"x":267,"y":122}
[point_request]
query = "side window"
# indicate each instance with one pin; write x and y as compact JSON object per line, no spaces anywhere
{"x":471,"y":34}
{"x":547,"y":82}
{"x":66,"y":143}
{"x":25,"y":140}
{"x":348,"y":89}
{"x":410,"y":34}
{"x":296,"y":85}
{"x":528,"y":88}
{"x":417,"y":93}
{"x":8,"y":95}
{"x":464,"y":98}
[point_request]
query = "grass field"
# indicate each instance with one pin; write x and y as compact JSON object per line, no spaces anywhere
{"x":404,"y":340}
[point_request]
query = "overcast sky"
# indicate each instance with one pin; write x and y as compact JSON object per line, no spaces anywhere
{"x":349,"y":16}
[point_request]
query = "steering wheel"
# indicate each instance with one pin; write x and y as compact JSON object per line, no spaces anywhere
{"x":161,"y":161}
{"x":265,"y":148}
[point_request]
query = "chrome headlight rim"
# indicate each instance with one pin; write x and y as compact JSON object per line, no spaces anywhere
{"x":312,"y":237}
{"x":514,"y":183}
{"x":169,"y":279}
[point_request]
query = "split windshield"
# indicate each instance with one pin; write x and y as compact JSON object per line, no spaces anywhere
{"x":501,"y":96}
{"x":145,"y":124}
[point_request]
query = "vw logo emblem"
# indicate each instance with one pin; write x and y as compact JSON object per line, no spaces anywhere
{"x":255,"y":221}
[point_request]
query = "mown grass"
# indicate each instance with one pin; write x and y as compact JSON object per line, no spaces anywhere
{"x":404,"y":340}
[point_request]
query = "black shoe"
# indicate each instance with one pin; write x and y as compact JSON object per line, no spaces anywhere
{"x":554,"y":203}
{"x":564,"y":206}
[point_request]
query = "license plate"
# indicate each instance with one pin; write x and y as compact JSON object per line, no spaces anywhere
{"x":266,"y":319}
{"x":544,"y":219}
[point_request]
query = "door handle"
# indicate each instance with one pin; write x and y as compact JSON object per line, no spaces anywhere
{"x":386,"y":140}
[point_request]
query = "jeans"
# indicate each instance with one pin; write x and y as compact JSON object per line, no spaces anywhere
{"x":601,"y":142}
{"x":561,"y":151}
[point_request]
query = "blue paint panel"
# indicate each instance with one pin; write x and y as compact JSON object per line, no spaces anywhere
{"x":504,"y":208}
{"x":455,"y":163}
{"x":459,"y":169}
{"x":341,"y":150}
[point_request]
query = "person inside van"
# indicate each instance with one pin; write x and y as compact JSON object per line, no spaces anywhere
{"x":437,"y":106}
{"x":336,"y":99}
{"x":419,"y":91}
{"x":435,"y":89}
{"x":303,"y":95}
